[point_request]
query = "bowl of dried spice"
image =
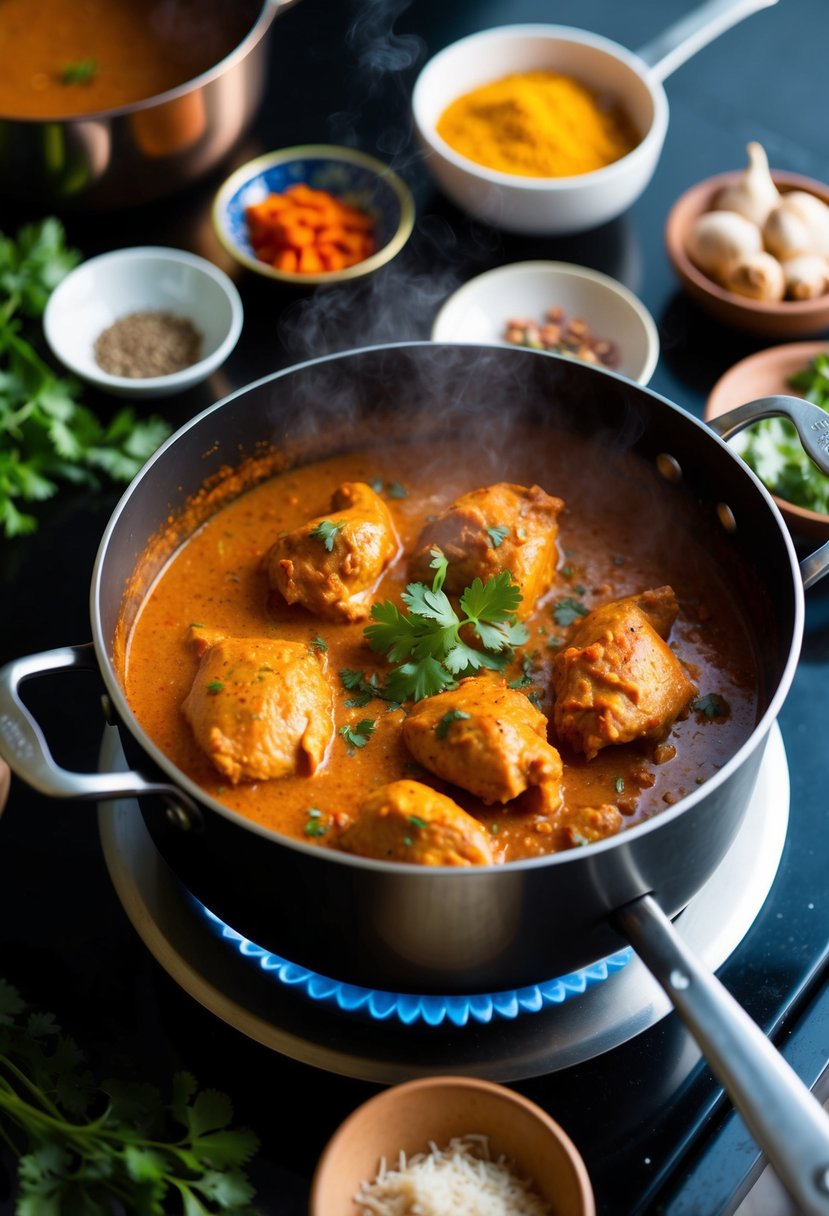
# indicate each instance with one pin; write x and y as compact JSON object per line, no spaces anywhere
{"x":148,"y":321}
{"x":313,"y":215}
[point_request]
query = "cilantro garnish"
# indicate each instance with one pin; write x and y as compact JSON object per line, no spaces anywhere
{"x":315,"y":825}
{"x":428,"y":636}
{"x":497,"y":536}
{"x":359,"y":735}
{"x":452,"y":715}
{"x":619,"y":785}
{"x":566,"y":610}
{"x":326,"y":531}
{"x":79,"y":72}
{"x":711,"y":706}
{"x":319,"y":643}
{"x":46,"y":435}
{"x":82,"y":1148}
{"x":214,"y":687}
{"x":417,"y":822}
{"x":364,"y":689}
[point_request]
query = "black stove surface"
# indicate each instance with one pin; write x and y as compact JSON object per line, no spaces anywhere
{"x":656,"y":1133}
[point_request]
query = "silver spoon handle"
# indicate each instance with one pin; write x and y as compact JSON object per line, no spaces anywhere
{"x":784,"y":1117}
{"x":670,"y":49}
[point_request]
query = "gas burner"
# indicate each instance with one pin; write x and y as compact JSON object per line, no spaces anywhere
{"x":229,"y":983}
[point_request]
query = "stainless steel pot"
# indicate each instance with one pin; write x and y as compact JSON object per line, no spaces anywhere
{"x":485,"y":928}
{"x":145,"y":150}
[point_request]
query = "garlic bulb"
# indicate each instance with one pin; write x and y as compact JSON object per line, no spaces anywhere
{"x":757,"y":275}
{"x":813,"y":213}
{"x":806,"y":276}
{"x":719,"y":238}
{"x":786,"y":235}
{"x":755,"y":194}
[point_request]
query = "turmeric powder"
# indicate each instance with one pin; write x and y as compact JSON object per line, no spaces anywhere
{"x":537,"y":124}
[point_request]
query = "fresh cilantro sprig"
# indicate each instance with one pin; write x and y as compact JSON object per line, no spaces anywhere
{"x":83,"y":1149}
{"x":428,"y":636}
{"x":46,"y":435}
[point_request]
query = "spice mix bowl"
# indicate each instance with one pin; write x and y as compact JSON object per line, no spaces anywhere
{"x":144,"y":322}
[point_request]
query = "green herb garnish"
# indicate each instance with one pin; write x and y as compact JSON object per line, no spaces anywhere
{"x":452,"y":715}
{"x":710,"y":706}
{"x":428,"y":635}
{"x":566,"y":610}
{"x":497,"y":536}
{"x":364,"y":689}
{"x":46,"y":435}
{"x":417,"y":822}
{"x":214,"y":687}
{"x":319,"y":643}
{"x":315,"y":824}
{"x":359,"y":735}
{"x":81,"y":71}
{"x":620,"y":785}
{"x":326,"y":531}
{"x":81,"y":1148}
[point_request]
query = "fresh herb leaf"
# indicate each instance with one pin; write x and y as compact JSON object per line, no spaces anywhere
{"x":91,"y":1149}
{"x":81,"y":71}
{"x":497,"y":536}
{"x":417,"y":822}
{"x":619,"y":785}
{"x":364,"y":689}
{"x":319,"y":643}
{"x":359,"y":735}
{"x":711,"y":706}
{"x":315,"y":825}
{"x":428,"y":636}
{"x":326,"y":531}
{"x":566,"y":610}
{"x":214,"y":687}
{"x":396,"y":490}
{"x":452,"y":715}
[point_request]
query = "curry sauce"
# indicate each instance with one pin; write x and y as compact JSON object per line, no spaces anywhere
{"x":616,"y":538}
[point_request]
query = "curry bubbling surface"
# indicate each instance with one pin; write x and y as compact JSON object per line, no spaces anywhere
{"x":617,"y":537}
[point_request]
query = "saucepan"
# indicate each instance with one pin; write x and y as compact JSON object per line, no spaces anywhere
{"x":547,"y":206}
{"x":145,"y":150}
{"x":486,"y":928}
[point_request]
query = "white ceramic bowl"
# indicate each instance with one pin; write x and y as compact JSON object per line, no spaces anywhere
{"x":541,"y":206}
{"x":104,"y":289}
{"x":478,"y":311}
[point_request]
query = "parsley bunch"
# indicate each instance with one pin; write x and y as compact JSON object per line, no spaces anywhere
{"x":46,"y":435}
{"x":429,"y":636}
{"x":80,"y":1149}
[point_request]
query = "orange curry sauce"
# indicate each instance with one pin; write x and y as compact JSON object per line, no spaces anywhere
{"x":614,"y":540}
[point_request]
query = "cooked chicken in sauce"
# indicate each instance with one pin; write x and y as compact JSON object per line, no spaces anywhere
{"x":488,"y":739}
{"x":495,"y":528}
{"x":331,"y":565}
{"x":589,"y":713}
{"x":409,"y":821}
{"x":260,"y":709}
{"x":617,"y":680}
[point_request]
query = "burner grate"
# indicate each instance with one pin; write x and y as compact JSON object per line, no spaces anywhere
{"x":411,"y":1009}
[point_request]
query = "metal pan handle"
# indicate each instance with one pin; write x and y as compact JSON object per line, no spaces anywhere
{"x":24,"y":747}
{"x":785,"y":1118}
{"x":812,"y":426}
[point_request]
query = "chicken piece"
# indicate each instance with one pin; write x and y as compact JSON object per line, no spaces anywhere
{"x":408,"y":821}
{"x":331,"y":564}
{"x":584,"y":824}
{"x":500,"y":527}
{"x":260,"y":708}
{"x":488,"y":739}
{"x":617,"y":679}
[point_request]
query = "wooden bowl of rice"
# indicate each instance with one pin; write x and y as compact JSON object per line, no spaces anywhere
{"x":450,"y":1144}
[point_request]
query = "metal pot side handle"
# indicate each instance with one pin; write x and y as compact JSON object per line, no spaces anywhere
{"x":24,"y":747}
{"x":783,"y":1116}
{"x":812,"y":426}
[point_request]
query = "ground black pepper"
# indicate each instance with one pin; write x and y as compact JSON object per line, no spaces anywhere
{"x":145,"y":344}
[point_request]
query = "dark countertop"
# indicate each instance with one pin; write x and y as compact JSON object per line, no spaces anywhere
{"x":343,"y":74}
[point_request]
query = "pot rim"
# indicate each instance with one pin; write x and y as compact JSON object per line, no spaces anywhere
{"x":268,"y":12}
{"x":568,"y":857}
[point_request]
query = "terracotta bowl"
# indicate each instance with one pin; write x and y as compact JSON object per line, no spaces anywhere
{"x":761,"y":375}
{"x":407,"y":1117}
{"x":783,"y":319}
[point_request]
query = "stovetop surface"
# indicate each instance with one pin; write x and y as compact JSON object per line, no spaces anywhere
{"x":648,"y":1117}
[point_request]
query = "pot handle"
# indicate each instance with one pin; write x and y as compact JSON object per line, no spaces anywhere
{"x":785,"y":1118}
{"x":24,"y":747}
{"x":812,"y":426}
{"x":670,"y":49}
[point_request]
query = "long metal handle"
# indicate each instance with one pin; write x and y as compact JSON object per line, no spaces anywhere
{"x":670,"y":49}
{"x":24,"y":747}
{"x":812,"y":426}
{"x":781,"y":1113}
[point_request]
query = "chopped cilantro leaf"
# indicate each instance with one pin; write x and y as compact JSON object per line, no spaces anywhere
{"x":417,"y":822}
{"x":497,"y":536}
{"x":326,"y":531}
{"x":315,"y":825}
{"x":452,"y":715}
{"x":214,"y":687}
{"x":319,"y":643}
{"x":81,"y":71}
{"x":620,"y":785}
{"x":711,"y":706}
{"x":359,"y":735}
{"x":566,"y":610}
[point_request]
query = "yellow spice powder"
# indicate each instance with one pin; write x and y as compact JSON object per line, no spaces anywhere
{"x":537,"y":124}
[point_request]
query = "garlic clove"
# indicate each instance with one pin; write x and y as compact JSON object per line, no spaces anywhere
{"x":785,"y":234}
{"x":806,"y":276}
{"x":718,"y":238}
{"x":813,"y":213}
{"x":755,"y":194}
{"x":759,"y":276}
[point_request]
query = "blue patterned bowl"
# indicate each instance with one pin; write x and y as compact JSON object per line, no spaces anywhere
{"x":358,"y":179}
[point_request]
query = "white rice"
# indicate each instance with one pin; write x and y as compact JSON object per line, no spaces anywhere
{"x":459,"y":1180}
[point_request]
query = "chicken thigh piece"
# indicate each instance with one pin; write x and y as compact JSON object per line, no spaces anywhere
{"x":617,"y":679}
{"x":331,"y":564}
{"x":499,"y":527}
{"x":260,"y":708}
{"x":488,"y":739}
{"x":409,"y":821}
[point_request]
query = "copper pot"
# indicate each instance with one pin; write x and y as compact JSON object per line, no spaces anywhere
{"x":145,"y":150}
